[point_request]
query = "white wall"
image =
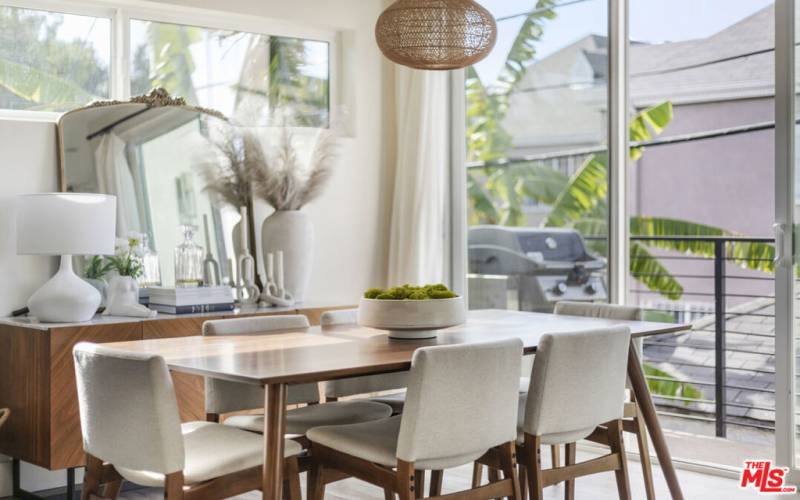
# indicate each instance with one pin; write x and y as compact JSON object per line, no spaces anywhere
{"x":351,"y":218}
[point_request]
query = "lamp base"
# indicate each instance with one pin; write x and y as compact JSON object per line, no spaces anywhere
{"x":65,"y":298}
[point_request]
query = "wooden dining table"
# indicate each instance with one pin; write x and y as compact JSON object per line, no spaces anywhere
{"x":280,"y":359}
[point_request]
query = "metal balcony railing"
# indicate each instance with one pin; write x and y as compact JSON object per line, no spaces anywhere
{"x":738,"y":321}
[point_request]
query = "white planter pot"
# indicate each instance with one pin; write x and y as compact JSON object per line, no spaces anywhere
{"x":411,"y":319}
{"x":292,"y":232}
{"x":122,"y":298}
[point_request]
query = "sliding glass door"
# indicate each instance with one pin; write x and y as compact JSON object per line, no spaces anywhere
{"x":787,"y":170}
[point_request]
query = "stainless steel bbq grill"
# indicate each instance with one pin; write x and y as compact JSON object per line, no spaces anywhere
{"x":544,"y":266}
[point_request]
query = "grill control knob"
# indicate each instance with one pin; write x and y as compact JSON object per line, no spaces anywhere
{"x":560,"y":288}
{"x":591,"y":289}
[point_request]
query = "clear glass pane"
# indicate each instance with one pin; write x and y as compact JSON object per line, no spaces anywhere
{"x":537,"y":176}
{"x":51,"y":61}
{"x":254,"y":79}
{"x":701,"y":197}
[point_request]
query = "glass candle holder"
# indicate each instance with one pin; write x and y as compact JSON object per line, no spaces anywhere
{"x":188,"y":260}
{"x":151,"y":269}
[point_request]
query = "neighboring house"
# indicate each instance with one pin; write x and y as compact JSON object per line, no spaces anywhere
{"x":560,"y":107}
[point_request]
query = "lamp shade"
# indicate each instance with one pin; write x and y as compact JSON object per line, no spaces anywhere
{"x":66,"y":224}
{"x":436,"y":34}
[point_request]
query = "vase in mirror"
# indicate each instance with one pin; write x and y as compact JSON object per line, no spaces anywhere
{"x":188,"y":260}
{"x":151,"y":269}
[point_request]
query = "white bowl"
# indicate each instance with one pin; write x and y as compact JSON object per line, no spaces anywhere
{"x":411,"y":319}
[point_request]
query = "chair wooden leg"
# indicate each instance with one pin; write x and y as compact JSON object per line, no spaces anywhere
{"x":173,"y":486}
{"x":292,"y":488}
{"x":555,"y":456}
{"x":644,"y":456}
{"x":618,"y":446}
{"x":212,"y":417}
{"x":533,"y":458}
{"x":111,"y":489}
{"x":569,"y":459}
{"x":477,"y":474}
{"x":388,"y":494}
{"x":316,"y":484}
{"x":419,"y":483}
{"x":494,"y":474}
{"x":522,"y":472}
{"x":405,"y":480}
{"x":92,"y":477}
{"x":437,"y":478}
{"x":508,"y":463}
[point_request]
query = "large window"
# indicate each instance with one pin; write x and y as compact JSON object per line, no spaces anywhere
{"x":243,"y":75}
{"x":700,"y":194}
{"x":537,"y":171}
{"x":51,"y":61}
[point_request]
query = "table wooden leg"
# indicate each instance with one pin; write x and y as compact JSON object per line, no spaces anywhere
{"x":274,"y":429}
{"x":648,"y":409}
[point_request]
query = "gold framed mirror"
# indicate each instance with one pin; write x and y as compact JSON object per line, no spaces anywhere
{"x":150,"y":152}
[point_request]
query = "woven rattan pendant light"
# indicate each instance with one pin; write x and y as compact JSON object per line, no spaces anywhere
{"x":436,"y":34}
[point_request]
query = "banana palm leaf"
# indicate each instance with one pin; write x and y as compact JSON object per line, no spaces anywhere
{"x":523,"y":50}
{"x":751,"y":255}
{"x":483,"y":208}
{"x":587,"y":187}
{"x":40,"y":87}
{"x":646,"y":269}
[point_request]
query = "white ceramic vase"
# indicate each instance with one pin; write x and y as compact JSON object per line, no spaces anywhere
{"x":291,"y":232}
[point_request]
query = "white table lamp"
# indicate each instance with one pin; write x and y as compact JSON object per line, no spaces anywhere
{"x":65,"y":224}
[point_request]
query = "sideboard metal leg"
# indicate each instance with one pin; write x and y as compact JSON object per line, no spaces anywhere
{"x":71,"y":483}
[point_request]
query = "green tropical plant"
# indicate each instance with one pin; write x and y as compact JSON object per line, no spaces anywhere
{"x":96,"y":268}
{"x":662,"y":383}
{"x":39,"y":70}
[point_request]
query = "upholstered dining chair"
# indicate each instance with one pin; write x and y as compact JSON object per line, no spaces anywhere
{"x":576,"y":391}
{"x":440,"y":426}
{"x":226,"y":397}
{"x":353,"y":386}
{"x":633,"y":422}
{"x":132,"y":431}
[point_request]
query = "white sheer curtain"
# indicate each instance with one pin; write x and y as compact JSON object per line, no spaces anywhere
{"x":114,"y":177}
{"x":417,"y":242}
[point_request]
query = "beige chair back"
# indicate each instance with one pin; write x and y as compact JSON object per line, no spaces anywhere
{"x":461,"y":400}
{"x":129,"y":414}
{"x":592,"y":310}
{"x":578,"y":383}
{"x":223,"y":396}
{"x":358,"y":385}
{"x":339,"y":317}
{"x":605,"y":311}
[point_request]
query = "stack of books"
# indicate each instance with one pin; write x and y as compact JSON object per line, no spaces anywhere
{"x":191,"y":300}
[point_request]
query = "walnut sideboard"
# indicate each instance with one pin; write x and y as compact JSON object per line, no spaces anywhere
{"x":37,"y":377}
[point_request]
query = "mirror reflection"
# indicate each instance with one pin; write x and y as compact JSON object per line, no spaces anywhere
{"x":151,"y":158}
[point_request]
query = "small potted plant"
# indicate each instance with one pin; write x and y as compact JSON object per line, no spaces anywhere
{"x":95,"y":272}
{"x":123,"y":288}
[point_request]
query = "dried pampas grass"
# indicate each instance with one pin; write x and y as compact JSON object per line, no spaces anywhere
{"x":227,"y":177}
{"x":283,"y":182}
{"x":279,"y":179}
